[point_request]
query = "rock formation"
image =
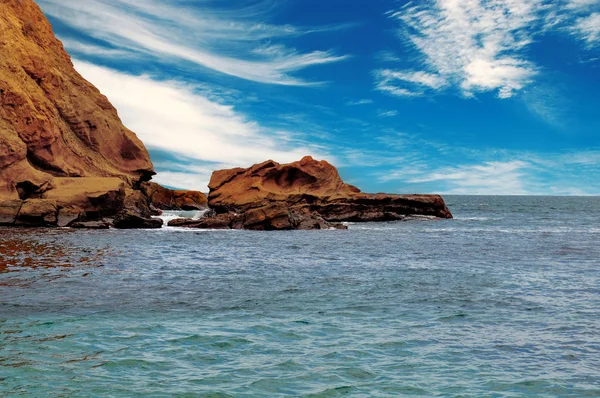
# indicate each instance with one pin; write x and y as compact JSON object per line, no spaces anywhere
{"x":54,"y":123}
{"x":67,"y":160}
{"x":167,"y":199}
{"x":308,"y":194}
{"x":65,"y":155}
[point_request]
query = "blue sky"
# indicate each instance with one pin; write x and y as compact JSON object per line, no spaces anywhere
{"x":446,"y":96}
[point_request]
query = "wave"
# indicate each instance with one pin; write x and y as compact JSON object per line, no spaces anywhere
{"x":169,"y":215}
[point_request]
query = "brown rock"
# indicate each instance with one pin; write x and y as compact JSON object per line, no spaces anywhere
{"x":102,"y":224}
{"x":271,"y":181}
{"x":38,"y":213}
{"x":129,"y":219}
{"x":308,"y":194}
{"x":222,"y":221}
{"x":189,"y":200}
{"x":9,"y":210}
{"x":60,"y":138}
{"x":166,"y":199}
{"x":95,"y":196}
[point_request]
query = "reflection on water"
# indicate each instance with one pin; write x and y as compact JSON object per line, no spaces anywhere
{"x":42,"y":248}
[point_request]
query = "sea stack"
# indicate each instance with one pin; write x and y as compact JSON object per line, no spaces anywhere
{"x":307,"y":194}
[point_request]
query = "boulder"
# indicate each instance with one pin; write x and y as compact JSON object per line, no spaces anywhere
{"x":128,"y":219}
{"x":9,"y":210}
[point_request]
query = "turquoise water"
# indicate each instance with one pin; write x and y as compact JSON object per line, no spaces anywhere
{"x":503,"y":301}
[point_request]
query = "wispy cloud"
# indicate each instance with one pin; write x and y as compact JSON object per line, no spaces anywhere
{"x":174,"y":117}
{"x":359,"y":102}
{"x":387,"y":113}
{"x":490,"y":178}
{"x":480,"y":46}
{"x":581,"y":4}
{"x":549,"y":103}
{"x":408,"y":84}
{"x":234,"y":42}
{"x":588,"y":29}
{"x":509,"y":173}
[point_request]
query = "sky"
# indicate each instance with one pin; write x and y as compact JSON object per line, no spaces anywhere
{"x":441,"y":96}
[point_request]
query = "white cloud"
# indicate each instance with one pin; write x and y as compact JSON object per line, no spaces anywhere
{"x":387,"y":113}
{"x":416,"y":83}
{"x":489,"y":178}
{"x":231,"y":42}
{"x":172,"y":116}
{"x":550,"y":103}
{"x":359,"y":102}
{"x":579,"y":4}
{"x":588,"y":29}
{"x":477,"y":45}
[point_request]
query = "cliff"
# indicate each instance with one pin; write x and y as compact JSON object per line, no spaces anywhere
{"x":65,"y":155}
{"x":53,"y":123}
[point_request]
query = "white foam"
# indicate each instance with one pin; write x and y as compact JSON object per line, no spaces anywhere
{"x":169,"y":215}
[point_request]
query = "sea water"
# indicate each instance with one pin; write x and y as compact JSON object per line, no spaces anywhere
{"x":502,"y":301}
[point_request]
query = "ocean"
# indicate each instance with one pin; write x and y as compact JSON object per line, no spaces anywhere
{"x":502,"y":301}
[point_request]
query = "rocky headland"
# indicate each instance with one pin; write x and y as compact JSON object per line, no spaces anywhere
{"x":65,"y":156}
{"x":67,"y":160}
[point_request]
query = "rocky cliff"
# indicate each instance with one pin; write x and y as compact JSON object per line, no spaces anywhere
{"x":53,"y":123}
{"x":307,"y":194}
{"x":67,"y":160}
{"x":64,"y":153}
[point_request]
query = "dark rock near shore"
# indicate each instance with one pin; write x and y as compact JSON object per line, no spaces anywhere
{"x":222,"y":221}
{"x":102,"y":224}
{"x":129,"y":219}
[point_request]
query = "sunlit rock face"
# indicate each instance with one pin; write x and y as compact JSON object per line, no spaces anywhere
{"x":54,"y":123}
{"x":64,"y":152}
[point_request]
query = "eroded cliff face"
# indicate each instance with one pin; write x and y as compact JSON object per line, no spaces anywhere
{"x":53,"y":123}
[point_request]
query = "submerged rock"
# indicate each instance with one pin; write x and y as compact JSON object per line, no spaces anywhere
{"x":308,"y":194}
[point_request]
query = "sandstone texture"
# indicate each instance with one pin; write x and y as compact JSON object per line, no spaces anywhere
{"x":307,"y":194}
{"x":166,"y":199}
{"x":65,"y":155}
{"x":53,"y":123}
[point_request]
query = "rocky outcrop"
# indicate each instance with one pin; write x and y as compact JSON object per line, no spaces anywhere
{"x":67,"y":160}
{"x":53,"y":123}
{"x":136,"y":212}
{"x":307,"y":194}
{"x":81,"y":203}
{"x":65,"y":156}
{"x":166,"y":199}
{"x":130,"y":219}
